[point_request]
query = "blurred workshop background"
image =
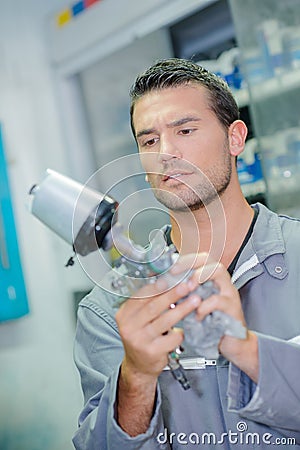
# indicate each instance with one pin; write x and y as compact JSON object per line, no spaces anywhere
{"x":65,"y":72}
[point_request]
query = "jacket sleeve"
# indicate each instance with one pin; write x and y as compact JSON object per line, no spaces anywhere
{"x":98,"y":353}
{"x":275,"y":400}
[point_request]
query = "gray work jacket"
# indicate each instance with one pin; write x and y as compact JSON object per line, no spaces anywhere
{"x":224,"y":409}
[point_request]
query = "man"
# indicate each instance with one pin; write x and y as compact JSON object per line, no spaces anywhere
{"x":188,"y":133}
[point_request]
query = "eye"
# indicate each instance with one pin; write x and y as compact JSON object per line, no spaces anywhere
{"x":186,"y":131}
{"x":150,"y":142}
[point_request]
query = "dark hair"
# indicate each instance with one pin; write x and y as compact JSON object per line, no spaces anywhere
{"x":177,"y":72}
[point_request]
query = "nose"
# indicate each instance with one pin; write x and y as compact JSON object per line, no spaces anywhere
{"x":168,"y":149}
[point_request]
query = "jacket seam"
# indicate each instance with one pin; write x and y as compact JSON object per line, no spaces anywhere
{"x":100,"y":312}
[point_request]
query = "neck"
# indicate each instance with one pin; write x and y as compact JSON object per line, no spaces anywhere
{"x":219,"y":229}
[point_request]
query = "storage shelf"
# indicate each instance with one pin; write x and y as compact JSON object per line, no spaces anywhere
{"x":282,"y":83}
{"x":241,"y":96}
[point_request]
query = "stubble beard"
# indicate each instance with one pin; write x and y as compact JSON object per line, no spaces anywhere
{"x":212,"y":184}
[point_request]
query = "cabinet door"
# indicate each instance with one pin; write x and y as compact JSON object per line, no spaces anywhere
{"x":13,"y":298}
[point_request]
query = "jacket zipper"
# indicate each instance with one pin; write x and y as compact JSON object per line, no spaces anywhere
{"x":195,"y":363}
{"x":245,"y":267}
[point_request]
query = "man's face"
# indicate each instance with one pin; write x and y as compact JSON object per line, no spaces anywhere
{"x":183,"y":147}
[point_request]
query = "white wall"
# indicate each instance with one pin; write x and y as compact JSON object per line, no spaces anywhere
{"x":114,"y":24}
{"x":40,"y":394}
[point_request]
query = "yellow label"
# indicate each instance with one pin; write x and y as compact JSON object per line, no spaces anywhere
{"x":63,"y":17}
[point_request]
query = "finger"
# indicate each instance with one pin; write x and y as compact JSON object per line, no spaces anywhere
{"x":165,"y":322}
{"x":189,"y":262}
{"x":153,"y":287}
{"x":221,"y":303}
{"x":211,"y":304}
{"x":206,"y":272}
{"x":166,"y":302}
{"x":169,"y":342}
{"x":145,"y":310}
{"x":216,"y":272}
{"x":142,"y":296}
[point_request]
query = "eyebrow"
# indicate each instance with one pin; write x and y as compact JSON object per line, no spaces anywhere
{"x":175,"y":123}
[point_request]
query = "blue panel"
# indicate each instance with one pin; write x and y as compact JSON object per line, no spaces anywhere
{"x":13,"y":298}
{"x":77,"y":8}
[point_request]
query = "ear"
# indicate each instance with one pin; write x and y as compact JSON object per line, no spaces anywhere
{"x":237,"y":134}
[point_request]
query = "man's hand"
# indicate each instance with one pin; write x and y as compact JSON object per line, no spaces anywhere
{"x":242,"y":352}
{"x":146,"y":328}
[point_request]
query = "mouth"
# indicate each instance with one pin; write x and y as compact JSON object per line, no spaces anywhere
{"x":175,"y":175}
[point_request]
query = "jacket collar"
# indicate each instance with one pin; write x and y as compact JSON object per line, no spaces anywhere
{"x":267,"y":231}
{"x":266,"y":241}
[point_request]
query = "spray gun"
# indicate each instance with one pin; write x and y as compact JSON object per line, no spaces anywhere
{"x":87,"y":220}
